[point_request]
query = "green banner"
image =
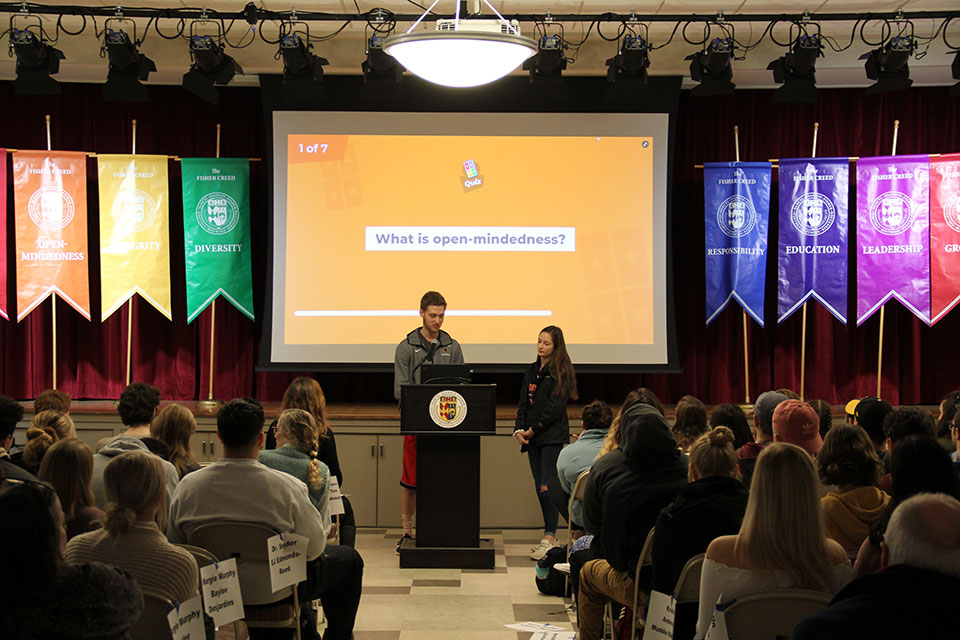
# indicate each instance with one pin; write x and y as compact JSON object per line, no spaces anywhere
{"x":216,"y":233}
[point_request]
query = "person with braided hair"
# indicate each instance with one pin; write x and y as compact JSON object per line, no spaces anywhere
{"x":296,"y":454}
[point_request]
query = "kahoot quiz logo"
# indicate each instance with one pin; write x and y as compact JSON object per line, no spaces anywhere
{"x":448,"y":409}
{"x":471,"y":178}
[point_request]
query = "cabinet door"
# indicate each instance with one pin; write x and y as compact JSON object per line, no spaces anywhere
{"x":204,"y":446}
{"x":358,"y":456}
{"x":390,"y":459}
{"x":507,"y":495}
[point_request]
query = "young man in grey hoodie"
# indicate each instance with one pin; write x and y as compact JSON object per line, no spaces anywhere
{"x":137,"y":406}
{"x":424,"y":344}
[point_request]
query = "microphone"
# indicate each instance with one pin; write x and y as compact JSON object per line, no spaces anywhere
{"x":434,"y":344}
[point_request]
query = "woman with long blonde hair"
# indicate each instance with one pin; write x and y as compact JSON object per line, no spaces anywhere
{"x":174,"y":426}
{"x":782,"y":542}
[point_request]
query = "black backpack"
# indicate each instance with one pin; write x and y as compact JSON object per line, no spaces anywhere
{"x":550,"y":581}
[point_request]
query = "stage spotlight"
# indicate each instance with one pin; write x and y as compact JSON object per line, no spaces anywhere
{"x":36,"y":62}
{"x":251,"y":14}
{"x":211,"y":65}
{"x":711,"y":68}
{"x":955,"y":71}
{"x":796,"y":71}
{"x":631,"y":62}
{"x":127,"y":68}
{"x":888,"y":65}
{"x":379,"y":63}
{"x":549,"y":62}
{"x":302,"y":69}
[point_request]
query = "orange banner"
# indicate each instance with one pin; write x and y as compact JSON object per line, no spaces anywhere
{"x":50,"y":196}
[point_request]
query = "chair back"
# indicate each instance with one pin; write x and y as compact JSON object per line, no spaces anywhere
{"x":577,"y":494}
{"x":772,"y":614}
{"x":247,"y":542}
{"x":688,"y":584}
{"x":645,"y":559}
{"x":153,"y":624}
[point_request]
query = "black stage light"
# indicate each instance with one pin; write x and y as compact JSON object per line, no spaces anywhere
{"x":888,"y":65}
{"x":631,"y":62}
{"x":955,"y":71}
{"x":251,"y":14}
{"x":379,"y":63}
{"x":128,"y":68}
{"x":36,"y":62}
{"x":550,"y":61}
{"x":796,"y":71}
{"x":711,"y":68}
{"x":211,"y":65}
{"x":299,"y":61}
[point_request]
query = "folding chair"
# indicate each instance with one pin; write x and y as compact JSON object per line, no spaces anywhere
{"x":237,"y":629}
{"x":688,"y":584}
{"x":152,"y":623}
{"x":577,"y":494}
{"x":247,"y":542}
{"x":772,"y":614}
{"x":645,"y":559}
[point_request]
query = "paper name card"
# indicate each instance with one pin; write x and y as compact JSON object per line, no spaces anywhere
{"x":335,"y":497}
{"x":660,"y":617}
{"x":186,"y":620}
{"x":287,"y":553}
{"x":220,"y":586}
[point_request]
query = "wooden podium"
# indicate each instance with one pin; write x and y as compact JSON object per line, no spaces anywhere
{"x":448,"y":420}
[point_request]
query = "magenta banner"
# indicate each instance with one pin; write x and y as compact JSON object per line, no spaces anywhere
{"x":893,"y":234}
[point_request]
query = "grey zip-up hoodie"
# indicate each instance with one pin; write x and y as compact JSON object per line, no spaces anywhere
{"x":408,"y":360}
{"x":114,"y":448}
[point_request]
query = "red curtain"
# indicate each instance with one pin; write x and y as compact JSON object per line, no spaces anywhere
{"x":841,"y":361}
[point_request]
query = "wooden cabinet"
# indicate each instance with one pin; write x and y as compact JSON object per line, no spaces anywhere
{"x":371,"y":466}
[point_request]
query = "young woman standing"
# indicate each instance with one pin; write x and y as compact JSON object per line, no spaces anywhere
{"x":542,"y":426}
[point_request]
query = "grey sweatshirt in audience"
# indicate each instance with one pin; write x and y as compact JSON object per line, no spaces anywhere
{"x":112,"y":449}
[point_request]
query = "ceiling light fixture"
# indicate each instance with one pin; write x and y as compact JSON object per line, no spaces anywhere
{"x":955,"y":72}
{"x":36,"y":60}
{"x":887,"y":64}
{"x":462,"y":53}
{"x":550,"y":60}
{"x":632,"y":61}
{"x":711,"y":68}
{"x":796,"y":71}
{"x":127,"y":67}
{"x":211,"y":64}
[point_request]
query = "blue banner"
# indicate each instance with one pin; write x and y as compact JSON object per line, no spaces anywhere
{"x":814,"y":194}
{"x":737,"y":207}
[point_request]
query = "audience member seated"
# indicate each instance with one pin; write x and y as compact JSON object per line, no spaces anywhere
{"x":732,"y":417}
{"x":68,"y":468}
{"x":870,"y":413}
{"x":795,"y":422}
{"x":11,"y":412}
{"x":918,"y":464}
{"x":691,"y":422}
{"x":306,"y":393}
{"x":789,"y":393}
{"x":905,"y":421}
{"x":916,"y":593}
{"x":137,"y":407}
{"x":653,"y":474}
{"x":238,"y":488}
{"x":296,"y":454}
{"x":955,"y":438}
{"x":826,"y":416}
{"x":850,"y":411}
{"x":781,"y":544}
{"x":711,"y":506}
{"x":52,"y":400}
{"x":46,"y":428}
{"x":848,"y":461}
{"x":130,"y":538}
{"x":577,"y":458}
{"x":174,"y":426}
{"x":43,"y":597}
{"x":763,"y":432}
{"x":948,"y":410}
{"x":641,"y":395}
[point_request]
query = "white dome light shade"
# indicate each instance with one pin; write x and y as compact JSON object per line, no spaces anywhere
{"x":460,"y":58}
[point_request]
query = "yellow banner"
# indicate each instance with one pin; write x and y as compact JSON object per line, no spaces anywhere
{"x":134,"y":231}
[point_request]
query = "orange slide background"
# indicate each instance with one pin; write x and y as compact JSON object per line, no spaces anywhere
{"x":600,"y":294}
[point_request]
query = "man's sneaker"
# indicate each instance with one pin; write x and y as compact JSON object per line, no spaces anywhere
{"x":407,"y":536}
{"x":541,"y":549}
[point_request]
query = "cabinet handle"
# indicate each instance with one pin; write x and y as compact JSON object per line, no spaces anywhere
{"x":373,"y":451}
{"x":212,"y":445}
{"x":381,"y":449}
{"x":204,"y":447}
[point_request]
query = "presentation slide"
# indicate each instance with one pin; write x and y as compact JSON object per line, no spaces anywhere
{"x":519,"y":220}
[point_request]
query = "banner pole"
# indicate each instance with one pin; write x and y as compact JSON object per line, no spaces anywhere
{"x":53,"y":295}
{"x":210,"y":404}
{"x":893,"y":152}
{"x":803,"y":331}
{"x":130,"y":300}
{"x":746,"y":347}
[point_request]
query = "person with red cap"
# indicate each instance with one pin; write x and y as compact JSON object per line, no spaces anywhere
{"x":796,"y":422}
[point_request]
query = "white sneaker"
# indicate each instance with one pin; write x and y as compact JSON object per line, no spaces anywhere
{"x":541,"y":549}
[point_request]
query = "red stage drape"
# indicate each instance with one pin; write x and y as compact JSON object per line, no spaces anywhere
{"x":841,"y":361}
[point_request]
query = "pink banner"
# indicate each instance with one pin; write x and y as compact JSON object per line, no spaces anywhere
{"x":944,"y":234}
{"x":3,"y":234}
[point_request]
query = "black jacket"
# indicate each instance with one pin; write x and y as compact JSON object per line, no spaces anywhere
{"x":547,"y":413}
{"x":897,"y":602}
{"x":703,"y":510}
{"x":654,"y":474}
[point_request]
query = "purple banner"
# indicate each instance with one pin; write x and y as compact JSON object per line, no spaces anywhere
{"x":813,"y":234}
{"x":893,"y":234}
